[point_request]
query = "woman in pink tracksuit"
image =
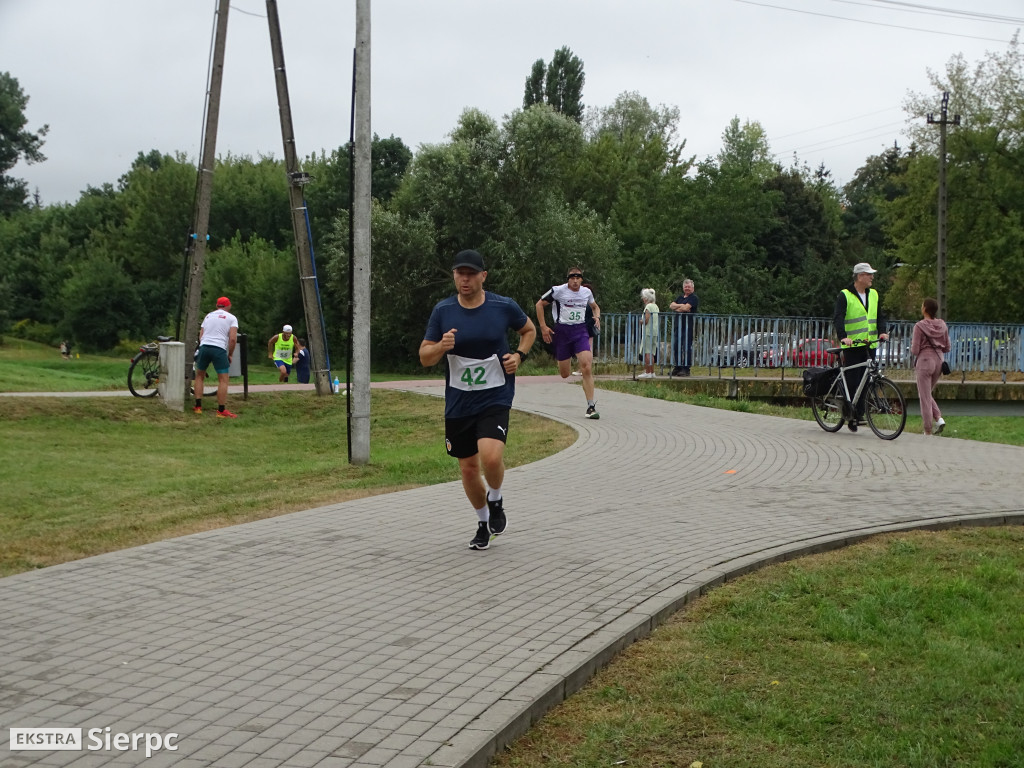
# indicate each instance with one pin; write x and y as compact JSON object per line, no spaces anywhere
{"x":931,"y":342}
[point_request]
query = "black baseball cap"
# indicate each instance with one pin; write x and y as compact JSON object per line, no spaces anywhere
{"x":470,"y":259}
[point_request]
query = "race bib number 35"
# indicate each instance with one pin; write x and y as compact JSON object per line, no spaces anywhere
{"x":470,"y":375}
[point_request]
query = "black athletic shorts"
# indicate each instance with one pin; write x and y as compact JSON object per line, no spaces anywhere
{"x":461,"y":435}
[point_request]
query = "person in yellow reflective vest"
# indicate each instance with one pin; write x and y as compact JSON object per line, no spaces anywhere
{"x":281,"y":349}
{"x":857,"y":318}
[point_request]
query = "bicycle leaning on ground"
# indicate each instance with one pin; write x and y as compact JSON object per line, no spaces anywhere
{"x":832,"y":403}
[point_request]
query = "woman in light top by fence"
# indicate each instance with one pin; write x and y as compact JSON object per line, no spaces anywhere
{"x":931,"y":342}
{"x":649,"y":333}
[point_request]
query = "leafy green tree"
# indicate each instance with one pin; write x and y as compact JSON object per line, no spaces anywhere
{"x":535,"y":85}
{"x":156,"y":195}
{"x":16,"y":143}
{"x":560,"y":86}
{"x":250,"y":199}
{"x":878,"y":182}
{"x":456,"y":185}
{"x":801,"y":245}
{"x":101,"y":303}
{"x":327,"y":195}
{"x":539,"y":148}
{"x":985,"y":177}
{"x":408,"y":278}
{"x":631,"y":156}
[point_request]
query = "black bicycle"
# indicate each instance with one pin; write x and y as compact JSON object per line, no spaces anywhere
{"x":144,"y":370}
{"x":884,"y":404}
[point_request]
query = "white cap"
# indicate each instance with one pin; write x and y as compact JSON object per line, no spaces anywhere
{"x":286,"y":329}
{"x":863,"y":267}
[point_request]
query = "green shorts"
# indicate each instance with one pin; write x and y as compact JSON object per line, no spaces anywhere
{"x":216,"y":355}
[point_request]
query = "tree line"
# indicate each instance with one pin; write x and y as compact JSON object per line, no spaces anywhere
{"x":609,"y":189}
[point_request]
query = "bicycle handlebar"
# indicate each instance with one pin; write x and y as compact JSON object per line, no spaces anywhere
{"x":836,"y":350}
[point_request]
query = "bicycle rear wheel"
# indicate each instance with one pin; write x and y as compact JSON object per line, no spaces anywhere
{"x":828,"y":410}
{"x":885,"y":408}
{"x":144,"y":374}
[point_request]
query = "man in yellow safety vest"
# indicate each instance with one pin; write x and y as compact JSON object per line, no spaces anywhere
{"x":857,"y":319}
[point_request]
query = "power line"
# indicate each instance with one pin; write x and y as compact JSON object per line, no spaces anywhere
{"x":872,"y":23}
{"x":821,"y":146}
{"x":933,"y":10}
{"x":248,"y":13}
{"x":838,"y":122}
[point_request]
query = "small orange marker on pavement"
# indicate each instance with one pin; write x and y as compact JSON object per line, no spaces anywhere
{"x":730,"y":471}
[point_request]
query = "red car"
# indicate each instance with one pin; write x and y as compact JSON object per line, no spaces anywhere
{"x":805,"y":353}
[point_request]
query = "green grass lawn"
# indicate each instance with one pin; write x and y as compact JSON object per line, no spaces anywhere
{"x":901,"y":651}
{"x":82,"y":476}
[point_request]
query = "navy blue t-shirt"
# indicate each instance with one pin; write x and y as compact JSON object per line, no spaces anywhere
{"x":479,"y":333}
{"x":302,"y":366}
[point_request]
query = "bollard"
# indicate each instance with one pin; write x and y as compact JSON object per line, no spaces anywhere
{"x":172,"y":374}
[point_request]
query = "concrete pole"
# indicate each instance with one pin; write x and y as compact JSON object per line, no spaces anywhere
{"x":296,"y":180}
{"x":201,"y":215}
{"x":940,"y":255}
{"x":940,"y":261}
{"x":359,"y":449}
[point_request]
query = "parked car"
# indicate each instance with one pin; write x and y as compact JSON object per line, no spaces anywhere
{"x":748,"y":349}
{"x":805,"y":353}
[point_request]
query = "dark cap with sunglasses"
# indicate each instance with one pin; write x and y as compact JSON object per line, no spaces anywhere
{"x":470,"y":259}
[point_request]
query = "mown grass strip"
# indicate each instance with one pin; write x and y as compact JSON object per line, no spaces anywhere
{"x":82,"y":476}
{"x":901,"y":651}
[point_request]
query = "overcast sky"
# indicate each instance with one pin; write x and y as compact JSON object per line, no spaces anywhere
{"x":826,"y":78}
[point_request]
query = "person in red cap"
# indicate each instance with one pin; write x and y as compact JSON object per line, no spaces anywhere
{"x":217,"y":338}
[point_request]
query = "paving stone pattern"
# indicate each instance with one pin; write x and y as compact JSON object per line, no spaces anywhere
{"x":368,"y":634}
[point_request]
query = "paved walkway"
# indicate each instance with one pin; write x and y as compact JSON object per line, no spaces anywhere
{"x":368,"y":634}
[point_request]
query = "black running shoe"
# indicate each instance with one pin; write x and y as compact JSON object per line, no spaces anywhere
{"x":592,"y":412}
{"x":482,"y":540}
{"x":497,"y":523}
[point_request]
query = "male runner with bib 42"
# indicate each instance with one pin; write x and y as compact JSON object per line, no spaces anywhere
{"x":469,"y":331}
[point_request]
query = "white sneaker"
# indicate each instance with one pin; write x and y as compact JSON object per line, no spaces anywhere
{"x":645,"y":376}
{"x":937,"y":429}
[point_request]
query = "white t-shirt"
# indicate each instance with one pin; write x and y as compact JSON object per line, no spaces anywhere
{"x":569,"y":307}
{"x":216,"y":329}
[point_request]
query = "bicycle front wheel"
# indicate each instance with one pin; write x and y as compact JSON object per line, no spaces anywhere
{"x":144,"y":374}
{"x":885,"y":408}
{"x":828,"y":411}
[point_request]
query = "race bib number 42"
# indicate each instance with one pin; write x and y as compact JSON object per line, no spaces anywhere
{"x":470,"y":374}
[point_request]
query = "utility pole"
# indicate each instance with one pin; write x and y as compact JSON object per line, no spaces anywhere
{"x":359,"y":397}
{"x":201,"y":215}
{"x":296,"y":181}
{"x":940,"y":278}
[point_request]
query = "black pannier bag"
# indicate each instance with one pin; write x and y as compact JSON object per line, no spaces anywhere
{"x":818,"y":381}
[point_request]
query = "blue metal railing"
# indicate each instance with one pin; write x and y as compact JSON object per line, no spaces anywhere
{"x":747,"y":341}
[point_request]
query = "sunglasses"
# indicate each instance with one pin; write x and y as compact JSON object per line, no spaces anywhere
{"x":575,"y":274}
